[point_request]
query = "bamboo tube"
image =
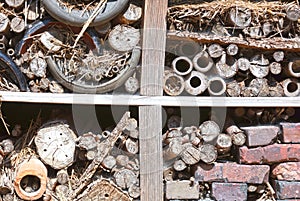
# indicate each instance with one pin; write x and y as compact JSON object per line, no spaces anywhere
{"x":173,"y":84}
{"x":203,"y":62}
{"x":196,"y":83}
{"x":291,"y":87}
{"x":182,"y":65}
{"x":294,"y":68}
{"x":216,"y":86}
{"x":188,"y":48}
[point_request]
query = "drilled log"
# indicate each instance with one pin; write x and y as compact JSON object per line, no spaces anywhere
{"x":173,"y":84}
{"x":208,"y":153}
{"x":196,"y":83}
{"x":168,"y":174}
{"x":125,"y":178}
{"x":52,"y":40}
{"x":182,"y":65}
{"x":124,"y":38}
{"x":202,"y":62}
{"x":240,"y":17}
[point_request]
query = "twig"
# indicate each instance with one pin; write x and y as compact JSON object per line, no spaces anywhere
{"x":2,"y":119}
{"x":98,"y":9}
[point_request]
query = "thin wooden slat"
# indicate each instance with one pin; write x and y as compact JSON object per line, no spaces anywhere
{"x":154,"y":42}
{"x":134,"y":100}
{"x":151,"y":160}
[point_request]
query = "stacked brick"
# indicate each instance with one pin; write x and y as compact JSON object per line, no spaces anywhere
{"x":266,"y":167}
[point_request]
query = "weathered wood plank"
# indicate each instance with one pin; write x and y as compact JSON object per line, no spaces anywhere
{"x":154,"y":42}
{"x":151,"y":160}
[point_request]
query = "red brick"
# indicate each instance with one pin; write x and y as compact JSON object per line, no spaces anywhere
{"x":260,"y":135}
{"x":287,"y":189}
{"x":232,"y":172}
{"x":287,"y":171}
{"x":229,"y":191}
{"x":291,"y":132}
{"x":274,"y":153}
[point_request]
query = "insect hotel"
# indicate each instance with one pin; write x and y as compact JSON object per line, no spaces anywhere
{"x":149,"y":100}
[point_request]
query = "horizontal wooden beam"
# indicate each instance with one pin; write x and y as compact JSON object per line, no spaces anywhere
{"x":136,"y":100}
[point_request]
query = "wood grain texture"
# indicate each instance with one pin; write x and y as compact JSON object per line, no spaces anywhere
{"x":154,"y":42}
{"x":151,"y":160}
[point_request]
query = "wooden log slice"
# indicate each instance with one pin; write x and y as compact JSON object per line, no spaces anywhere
{"x":125,"y":178}
{"x":208,"y":153}
{"x":224,"y":143}
{"x":209,"y":131}
{"x":124,"y":38}
{"x":240,"y":17}
{"x":190,"y":155}
{"x":56,"y":145}
{"x":17,"y":24}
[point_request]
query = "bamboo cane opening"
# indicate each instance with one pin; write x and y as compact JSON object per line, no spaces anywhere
{"x":203,"y":62}
{"x":216,"y":86}
{"x":296,"y":66}
{"x":195,"y":82}
{"x":182,"y":66}
{"x":292,"y":87}
{"x":189,"y":49}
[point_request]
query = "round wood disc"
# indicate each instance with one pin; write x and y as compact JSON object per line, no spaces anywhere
{"x":124,"y":38}
{"x":56,"y":145}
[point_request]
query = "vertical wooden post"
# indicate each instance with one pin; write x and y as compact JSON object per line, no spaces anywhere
{"x":150,"y":117}
{"x":154,"y":42}
{"x":151,"y":160}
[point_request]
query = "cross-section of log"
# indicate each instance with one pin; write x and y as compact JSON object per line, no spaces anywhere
{"x":173,"y":84}
{"x":56,"y":145}
{"x":209,"y":131}
{"x":259,"y":66}
{"x":124,"y":38}
{"x":4,"y":23}
{"x":14,"y":3}
{"x":181,"y":190}
{"x":30,"y":180}
{"x":103,"y":189}
{"x":132,"y":14}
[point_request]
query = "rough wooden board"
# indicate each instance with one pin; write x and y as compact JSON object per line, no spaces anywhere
{"x":154,"y":42}
{"x":266,"y":43}
{"x":151,"y":160}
